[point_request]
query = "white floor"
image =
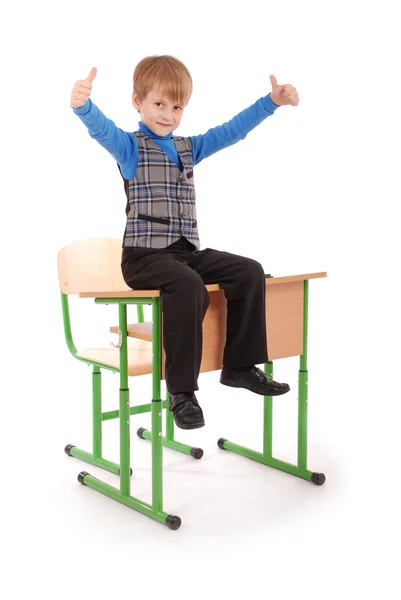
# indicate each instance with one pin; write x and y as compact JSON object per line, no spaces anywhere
{"x":246,"y":529}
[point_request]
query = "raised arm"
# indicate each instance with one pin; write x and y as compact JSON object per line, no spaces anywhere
{"x":120,"y":144}
{"x":238,"y":127}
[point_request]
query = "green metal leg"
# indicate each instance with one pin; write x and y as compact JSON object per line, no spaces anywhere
{"x":302,"y":418}
{"x":157,"y":445}
{"x":123,"y":495}
{"x":169,"y":421}
{"x":268,"y":417}
{"x":124,"y":405}
{"x":89,"y":458}
{"x":97,"y":411}
{"x":168,"y":440}
{"x":95,"y":458}
{"x":265,"y":457}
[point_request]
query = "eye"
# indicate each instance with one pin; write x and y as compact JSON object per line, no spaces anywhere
{"x":157,"y":103}
{"x":179,"y":107}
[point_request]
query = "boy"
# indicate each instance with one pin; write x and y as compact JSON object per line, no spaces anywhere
{"x":161,"y":247}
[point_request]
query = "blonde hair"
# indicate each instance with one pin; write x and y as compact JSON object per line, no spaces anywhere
{"x":167,"y":75}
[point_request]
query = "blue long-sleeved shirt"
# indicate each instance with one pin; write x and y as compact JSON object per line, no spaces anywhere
{"x":123,"y":147}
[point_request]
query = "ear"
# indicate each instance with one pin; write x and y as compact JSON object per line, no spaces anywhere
{"x":135,"y":101}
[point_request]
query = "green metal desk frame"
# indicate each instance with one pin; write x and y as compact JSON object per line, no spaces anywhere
{"x":155,"y":407}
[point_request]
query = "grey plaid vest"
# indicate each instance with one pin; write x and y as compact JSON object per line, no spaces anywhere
{"x":160,"y":198}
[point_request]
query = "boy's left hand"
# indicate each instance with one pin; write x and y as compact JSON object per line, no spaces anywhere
{"x":283,"y":94}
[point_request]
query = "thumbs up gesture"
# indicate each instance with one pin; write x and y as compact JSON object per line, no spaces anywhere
{"x":283,"y":94}
{"x":82,"y":90}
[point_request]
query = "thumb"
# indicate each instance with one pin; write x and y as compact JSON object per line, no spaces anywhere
{"x":273,"y":81}
{"x":92,"y":74}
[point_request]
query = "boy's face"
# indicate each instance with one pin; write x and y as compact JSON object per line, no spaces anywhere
{"x":158,"y":112}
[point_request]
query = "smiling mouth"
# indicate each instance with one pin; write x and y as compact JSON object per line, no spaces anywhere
{"x":164,"y":124}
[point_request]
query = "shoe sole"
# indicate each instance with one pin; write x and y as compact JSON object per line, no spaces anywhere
{"x":192,"y":426}
{"x":273,"y":393}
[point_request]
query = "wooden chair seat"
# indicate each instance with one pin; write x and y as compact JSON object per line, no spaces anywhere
{"x":139,"y":356}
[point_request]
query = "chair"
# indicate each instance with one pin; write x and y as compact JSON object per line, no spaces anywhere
{"x":91,"y":268}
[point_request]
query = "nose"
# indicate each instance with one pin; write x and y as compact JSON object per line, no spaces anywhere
{"x":167,"y":116}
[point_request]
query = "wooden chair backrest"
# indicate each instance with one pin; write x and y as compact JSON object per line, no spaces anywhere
{"x":90,"y":265}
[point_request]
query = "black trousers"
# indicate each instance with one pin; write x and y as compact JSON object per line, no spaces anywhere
{"x":181,"y":272}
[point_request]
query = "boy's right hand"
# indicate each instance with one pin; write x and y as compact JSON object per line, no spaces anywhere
{"x":82,"y":90}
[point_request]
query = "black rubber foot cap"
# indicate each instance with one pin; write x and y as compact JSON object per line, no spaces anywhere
{"x":140,"y":432}
{"x":318,"y":478}
{"x":81,"y":477}
{"x":173,"y":522}
{"x":130,"y":472}
{"x":68,"y":448}
{"x":220,"y":443}
{"x":197,"y":452}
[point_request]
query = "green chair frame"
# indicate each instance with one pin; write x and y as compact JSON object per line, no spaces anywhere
{"x":120,"y":296}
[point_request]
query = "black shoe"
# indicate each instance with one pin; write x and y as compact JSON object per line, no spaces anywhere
{"x":186,"y":411}
{"x":254,"y":380}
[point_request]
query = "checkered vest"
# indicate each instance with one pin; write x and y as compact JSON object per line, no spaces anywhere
{"x":160,"y":198}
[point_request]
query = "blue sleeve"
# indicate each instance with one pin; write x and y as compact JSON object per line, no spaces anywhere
{"x":234,"y":130}
{"x":122,"y":145}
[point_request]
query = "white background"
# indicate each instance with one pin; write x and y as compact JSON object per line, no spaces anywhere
{"x":313,"y":188}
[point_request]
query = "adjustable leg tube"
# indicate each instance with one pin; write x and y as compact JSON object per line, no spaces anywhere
{"x":300,"y":470}
{"x":168,"y":440}
{"x":96,"y":457}
{"x":157,"y":445}
{"x":268,"y":417}
{"x":123,"y":495}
